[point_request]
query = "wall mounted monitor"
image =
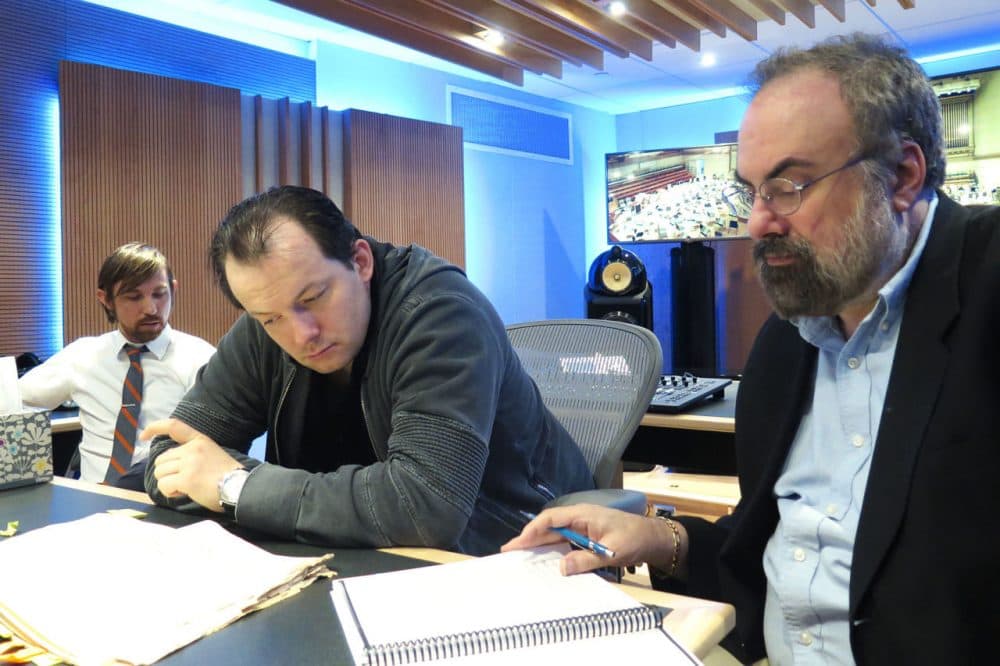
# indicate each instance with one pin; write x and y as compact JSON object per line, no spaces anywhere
{"x":673,"y":194}
{"x":970,"y":105}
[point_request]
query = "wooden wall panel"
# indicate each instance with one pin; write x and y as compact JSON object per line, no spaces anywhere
{"x":403,"y":181}
{"x":151,"y":159}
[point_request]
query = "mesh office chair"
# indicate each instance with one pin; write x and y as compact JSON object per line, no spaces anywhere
{"x":597,"y":377}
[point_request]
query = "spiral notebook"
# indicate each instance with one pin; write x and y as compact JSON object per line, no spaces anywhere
{"x":499,"y":609}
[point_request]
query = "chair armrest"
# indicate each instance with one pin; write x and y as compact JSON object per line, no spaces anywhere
{"x":630,"y":501}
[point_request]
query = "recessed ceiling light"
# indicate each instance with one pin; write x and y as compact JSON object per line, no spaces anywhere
{"x":617,"y":8}
{"x":707,"y":59}
{"x":492,"y":37}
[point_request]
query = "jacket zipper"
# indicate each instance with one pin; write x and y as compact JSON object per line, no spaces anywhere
{"x":277,"y":415}
{"x":364,"y":416}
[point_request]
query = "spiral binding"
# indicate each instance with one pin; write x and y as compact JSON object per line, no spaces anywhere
{"x":512,"y":637}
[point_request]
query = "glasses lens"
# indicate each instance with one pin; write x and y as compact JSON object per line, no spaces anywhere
{"x":781,"y":195}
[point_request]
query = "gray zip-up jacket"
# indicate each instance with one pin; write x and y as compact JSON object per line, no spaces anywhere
{"x":462,"y":438}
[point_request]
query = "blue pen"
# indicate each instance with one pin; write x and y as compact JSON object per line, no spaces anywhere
{"x":577,"y":538}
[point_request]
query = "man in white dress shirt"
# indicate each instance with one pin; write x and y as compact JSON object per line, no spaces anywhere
{"x":135,"y":287}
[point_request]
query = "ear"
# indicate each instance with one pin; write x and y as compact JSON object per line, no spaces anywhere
{"x":364,"y":260}
{"x":173,"y":287}
{"x":103,"y":299}
{"x":910,"y":174}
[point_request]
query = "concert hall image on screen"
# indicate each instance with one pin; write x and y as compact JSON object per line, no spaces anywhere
{"x":673,"y":195}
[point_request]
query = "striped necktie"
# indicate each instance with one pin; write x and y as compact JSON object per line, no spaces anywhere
{"x":128,"y":417}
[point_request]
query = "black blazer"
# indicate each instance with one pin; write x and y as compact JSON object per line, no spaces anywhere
{"x":925,"y":576}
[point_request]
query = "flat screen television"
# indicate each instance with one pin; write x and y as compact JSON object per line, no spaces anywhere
{"x":673,"y":194}
{"x":970,"y":105}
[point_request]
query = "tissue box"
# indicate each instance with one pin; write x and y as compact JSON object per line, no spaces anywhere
{"x":25,"y":449}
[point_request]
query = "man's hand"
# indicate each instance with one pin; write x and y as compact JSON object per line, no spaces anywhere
{"x":635,"y":539}
{"x":193,"y":468}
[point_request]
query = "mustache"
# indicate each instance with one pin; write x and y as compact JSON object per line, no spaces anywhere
{"x":781,"y":246}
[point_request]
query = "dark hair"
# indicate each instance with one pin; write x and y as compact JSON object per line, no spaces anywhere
{"x":887,"y":93}
{"x":129,"y":266}
{"x":245,"y":231}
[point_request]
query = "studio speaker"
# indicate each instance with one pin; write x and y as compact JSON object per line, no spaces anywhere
{"x":618,"y":290}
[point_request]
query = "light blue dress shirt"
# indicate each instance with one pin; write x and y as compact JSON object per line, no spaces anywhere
{"x":819,"y":492}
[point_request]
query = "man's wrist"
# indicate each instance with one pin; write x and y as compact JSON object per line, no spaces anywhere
{"x":672,"y":557}
{"x":230,"y":488}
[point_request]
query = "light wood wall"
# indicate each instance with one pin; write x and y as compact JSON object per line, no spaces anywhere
{"x":404,"y":183}
{"x":161,"y":160}
{"x":151,"y":159}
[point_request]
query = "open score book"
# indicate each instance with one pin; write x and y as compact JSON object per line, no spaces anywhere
{"x":509,"y":608}
{"x":139,"y":591}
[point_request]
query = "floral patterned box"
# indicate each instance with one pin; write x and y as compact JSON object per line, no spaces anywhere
{"x":25,"y":449}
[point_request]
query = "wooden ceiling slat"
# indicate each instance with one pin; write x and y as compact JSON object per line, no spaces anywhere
{"x":803,"y":10}
{"x":731,"y":16}
{"x":527,"y":30}
{"x":835,"y":7}
{"x":361,"y":18}
{"x":591,"y":23}
{"x":655,"y":15}
{"x":697,"y":15}
{"x":771,"y":10}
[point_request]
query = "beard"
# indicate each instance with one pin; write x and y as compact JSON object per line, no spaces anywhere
{"x":824,"y":282}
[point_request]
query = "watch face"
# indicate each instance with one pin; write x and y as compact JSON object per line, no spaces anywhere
{"x":232,"y":484}
{"x":616,"y":277}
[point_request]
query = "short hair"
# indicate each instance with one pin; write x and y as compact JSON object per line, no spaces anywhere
{"x":128,"y":267}
{"x":246,"y":229}
{"x":887,"y":93}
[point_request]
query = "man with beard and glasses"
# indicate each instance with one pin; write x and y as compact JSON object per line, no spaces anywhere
{"x":867,"y":420}
{"x":135,"y":286}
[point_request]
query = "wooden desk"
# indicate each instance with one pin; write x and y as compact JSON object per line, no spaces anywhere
{"x":65,"y":421}
{"x":702,"y":495}
{"x":303,"y":629}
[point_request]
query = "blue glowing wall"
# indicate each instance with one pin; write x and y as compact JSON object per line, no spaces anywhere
{"x":34,"y":36}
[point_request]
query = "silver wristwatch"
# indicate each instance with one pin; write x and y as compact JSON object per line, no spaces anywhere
{"x":230,"y":487}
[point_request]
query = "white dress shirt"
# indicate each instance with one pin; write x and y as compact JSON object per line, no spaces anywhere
{"x":91,"y":371}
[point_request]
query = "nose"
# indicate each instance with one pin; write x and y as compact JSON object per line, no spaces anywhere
{"x":150,"y":306}
{"x":304,"y":328}
{"x":765,"y":222}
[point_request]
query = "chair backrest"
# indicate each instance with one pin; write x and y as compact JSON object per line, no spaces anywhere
{"x":597,"y":377}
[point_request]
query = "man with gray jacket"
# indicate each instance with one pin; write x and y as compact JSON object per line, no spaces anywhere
{"x":396,"y":410}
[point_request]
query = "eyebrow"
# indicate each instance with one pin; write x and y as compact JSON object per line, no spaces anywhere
{"x":777,"y":169}
{"x":312,"y":285}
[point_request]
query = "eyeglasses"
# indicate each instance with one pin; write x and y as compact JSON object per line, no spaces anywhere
{"x":781,"y":195}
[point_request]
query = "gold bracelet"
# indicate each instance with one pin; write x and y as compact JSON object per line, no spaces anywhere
{"x":676,"y":535}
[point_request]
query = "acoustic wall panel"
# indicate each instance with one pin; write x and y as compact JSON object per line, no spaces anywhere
{"x":492,"y":123}
{"x":150,"y":159}
{"x":127,"y":41}
{"x":403,"y":181}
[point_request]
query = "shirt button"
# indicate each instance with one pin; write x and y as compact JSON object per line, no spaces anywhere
{"x":853,"y":363}
{"x":884,"y":326}
{"x":831,"y":509}
{"x":799,"y":555}
{"x":857,"y":441}
{"x":805,"y":638}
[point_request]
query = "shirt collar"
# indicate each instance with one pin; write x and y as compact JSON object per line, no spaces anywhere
{"x":891,"y":296}
{"x":157,"y":346}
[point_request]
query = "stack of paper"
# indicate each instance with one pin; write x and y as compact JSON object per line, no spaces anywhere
{"x":139,"y":591}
